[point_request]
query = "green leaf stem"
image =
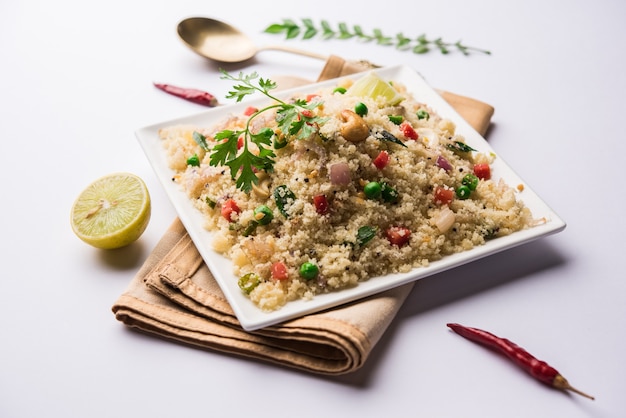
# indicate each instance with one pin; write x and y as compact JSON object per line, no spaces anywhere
{"x":307,"y":29}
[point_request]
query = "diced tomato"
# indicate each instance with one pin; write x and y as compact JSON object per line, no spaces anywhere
{"x":443,"y":196}
{"x":250,"y":110}
{"x":307,"y":113}
{"x":398,"y":235}
{"x":407,"y":130}
{"x":240,"y":142}
{"x":310,"y":97}
{"x":229,"y":207}
{"x":279,"y":271}
{"x":381,"y":160}
{"x":321,"y":204}
{"x":482,"y":171}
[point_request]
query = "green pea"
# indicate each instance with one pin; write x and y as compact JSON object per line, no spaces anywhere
{"x":463,"y":192}
{"x":309,"y":271}
{"x":263,"y":215}
{"x":193,"y":161}
{"x":360,"y":109}
{"x":422,"y":114}
{"x":470,"y":181}
{"x":340,"y":90}
{"x":396,"y":119}
{"x":372,"y":190}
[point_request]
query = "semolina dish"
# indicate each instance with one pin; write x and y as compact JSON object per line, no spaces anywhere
{"x":357,"y":183}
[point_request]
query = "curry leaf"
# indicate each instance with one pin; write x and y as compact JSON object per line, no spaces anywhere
{"x":419,"y":45}
{"x":365,"y":234}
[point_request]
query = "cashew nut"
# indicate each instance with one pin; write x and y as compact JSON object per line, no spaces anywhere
{"x":262,"y":189}
{"x":354,"y":128}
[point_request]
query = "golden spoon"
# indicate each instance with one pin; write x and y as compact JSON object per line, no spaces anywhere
{"x":221,"y":42}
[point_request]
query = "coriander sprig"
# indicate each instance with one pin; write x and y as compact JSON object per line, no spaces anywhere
{"x":418,"y":45}
{"x":294,"y":120}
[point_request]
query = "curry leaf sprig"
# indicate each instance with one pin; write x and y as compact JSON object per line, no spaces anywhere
{"x":295,"y":120}
{"x":418,"y":45}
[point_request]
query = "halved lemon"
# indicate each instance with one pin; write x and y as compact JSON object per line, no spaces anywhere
{"x":112,"y":212}
{"x":372,"y":85}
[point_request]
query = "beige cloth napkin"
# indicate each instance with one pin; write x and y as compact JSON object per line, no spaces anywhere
{"x":175,"y":296}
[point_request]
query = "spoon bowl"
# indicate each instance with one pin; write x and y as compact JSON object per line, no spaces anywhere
{"x":222,"y":42}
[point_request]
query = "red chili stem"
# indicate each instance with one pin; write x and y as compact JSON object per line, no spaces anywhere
{"x":193,"y":95}
{"x":538,"y":369}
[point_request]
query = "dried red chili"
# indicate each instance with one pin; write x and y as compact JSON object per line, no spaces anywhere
{"x":193,"y":95}
{"x":538,"y":369}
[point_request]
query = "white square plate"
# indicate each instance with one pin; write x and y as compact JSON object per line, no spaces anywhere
{"x":251,"y":317}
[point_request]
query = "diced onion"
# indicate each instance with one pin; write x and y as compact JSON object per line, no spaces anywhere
{"x":445,"y":219}
{"x":340,"y":174}
{"x":428,"y":137}
{"x":443,"y":163}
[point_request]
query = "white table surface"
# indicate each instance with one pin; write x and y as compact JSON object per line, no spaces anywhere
{"x":77,"y":82}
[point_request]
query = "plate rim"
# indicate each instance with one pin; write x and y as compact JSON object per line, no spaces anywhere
{"x":255,"y":318}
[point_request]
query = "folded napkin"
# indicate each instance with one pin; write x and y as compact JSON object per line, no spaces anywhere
{"x":175,"y":296}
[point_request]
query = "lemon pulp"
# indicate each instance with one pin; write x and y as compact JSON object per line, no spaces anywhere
{"x":371,"y":85}
{"x":112,"y":212}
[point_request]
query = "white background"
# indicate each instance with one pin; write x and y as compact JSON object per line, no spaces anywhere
{"x":76,"y":82}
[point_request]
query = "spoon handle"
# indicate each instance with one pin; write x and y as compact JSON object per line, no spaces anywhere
{"x":293,"y":51}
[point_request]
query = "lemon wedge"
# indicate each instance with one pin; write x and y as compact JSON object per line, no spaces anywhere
{"x":112,"y":212}
{"x":371,"y":85}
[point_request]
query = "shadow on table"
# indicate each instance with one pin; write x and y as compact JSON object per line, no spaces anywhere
{"x":480,"y":275}
{"x":428,"y":293}
{"x":462,"y":282}
{"x":128,"y":258}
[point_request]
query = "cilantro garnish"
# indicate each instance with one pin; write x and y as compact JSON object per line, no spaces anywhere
{"x":294,"y":120}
